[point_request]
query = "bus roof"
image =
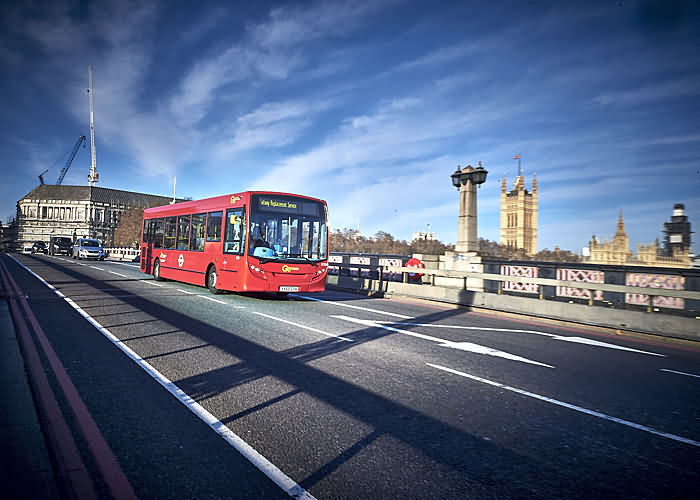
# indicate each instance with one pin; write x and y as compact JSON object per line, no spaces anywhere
{"x":213,"y":203}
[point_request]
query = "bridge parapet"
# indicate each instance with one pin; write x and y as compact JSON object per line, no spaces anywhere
{"x":653,"y":302}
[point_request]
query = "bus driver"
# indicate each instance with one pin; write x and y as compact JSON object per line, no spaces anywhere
{"x":261,"y":248}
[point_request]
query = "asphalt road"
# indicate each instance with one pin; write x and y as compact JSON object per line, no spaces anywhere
{"x":350,"y":397}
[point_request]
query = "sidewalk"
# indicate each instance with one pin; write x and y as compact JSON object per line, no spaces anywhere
{"x":25,"y":467}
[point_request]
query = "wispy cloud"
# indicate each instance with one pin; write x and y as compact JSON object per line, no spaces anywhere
{"x":271,"y":125}
{"x":677,"y":139}
{"x":650,"y":93}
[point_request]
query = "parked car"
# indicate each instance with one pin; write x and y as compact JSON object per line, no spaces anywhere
{"x":27,"y":248}
{"x":88,"y":248}
{"x":39,"y":247}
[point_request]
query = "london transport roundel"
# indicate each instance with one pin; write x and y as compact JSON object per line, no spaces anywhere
{"x":413,"y":262}
{"x":180,"y":260}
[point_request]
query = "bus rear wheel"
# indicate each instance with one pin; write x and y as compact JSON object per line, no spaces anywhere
{"x":211,"y":281}
{"x":156,"y":271}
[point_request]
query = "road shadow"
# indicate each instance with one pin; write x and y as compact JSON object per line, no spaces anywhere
{"x":475,"y":466}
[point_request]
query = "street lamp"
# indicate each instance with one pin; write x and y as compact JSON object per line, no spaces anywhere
{"x":466,"y":179}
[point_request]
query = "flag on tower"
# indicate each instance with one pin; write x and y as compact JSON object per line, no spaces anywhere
{"x":517,"y":157}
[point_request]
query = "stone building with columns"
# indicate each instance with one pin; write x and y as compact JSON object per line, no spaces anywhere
{"x":519,"y":215}
{"x":76,"y":211}
{"x":617,"y":250}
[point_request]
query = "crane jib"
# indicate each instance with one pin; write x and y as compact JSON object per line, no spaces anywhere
{"x":64,"y":170}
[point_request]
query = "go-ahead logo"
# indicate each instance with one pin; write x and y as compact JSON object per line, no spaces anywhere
{"x":289,"y":269}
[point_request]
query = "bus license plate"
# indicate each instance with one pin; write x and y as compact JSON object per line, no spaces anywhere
{"x":289,"y":289}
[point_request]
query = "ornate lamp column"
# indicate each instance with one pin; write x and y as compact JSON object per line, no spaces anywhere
{"x":466,"y":180}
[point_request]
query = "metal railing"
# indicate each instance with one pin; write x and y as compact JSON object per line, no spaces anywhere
{"x":122,"y":253}
{"x":379,"y":273}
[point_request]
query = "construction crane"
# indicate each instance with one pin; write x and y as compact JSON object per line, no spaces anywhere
{"x":64,"y":170}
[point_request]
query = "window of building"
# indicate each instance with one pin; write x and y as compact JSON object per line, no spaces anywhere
{"x":197,"y":233}
{"x":214,"y":226}
{"x":44,"y":212}
{"x":235,"y":229}
{"x":170,"y":232}
{"x":183,"y":232}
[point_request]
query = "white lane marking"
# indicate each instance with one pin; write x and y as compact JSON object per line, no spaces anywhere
{"x":462,"y":327}
{"x":355,"y":307}
{"x":212,"y":299}
{"x":563,"y":338}
{"x":303,"y":326}
{"x":287,"y":484}
{"x":98,"y":268}
{"x":184,"y":291}
{"x":570,"y":406}
{"x":375,"y":324}
{"x":480,"y":349}
{"x":581,"y":340}
{"x":118,"y":274}
{"x":463,"y":346}
{"x":679,"y":373}
{"x":150,"y":282}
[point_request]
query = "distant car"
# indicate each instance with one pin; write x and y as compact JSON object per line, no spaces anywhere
{"x":88,"y":248}
{"x":27,"y":248}
{"x":39,"y":247}
{"x":60,"y":245}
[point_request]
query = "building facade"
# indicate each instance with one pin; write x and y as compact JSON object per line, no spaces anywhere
{"x":75,"y":212}
{"x":617,"y":251}
{"x":519,"y":215}
{"x":423,"y":235}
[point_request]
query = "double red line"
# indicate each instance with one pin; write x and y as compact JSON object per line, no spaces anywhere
{"x":73,"y":476}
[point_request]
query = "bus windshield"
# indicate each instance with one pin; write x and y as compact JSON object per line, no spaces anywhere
{"x":288,"y":228}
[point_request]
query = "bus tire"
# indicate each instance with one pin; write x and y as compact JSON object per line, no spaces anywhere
{"x":156,"y":271}
{"x":212,"y":278}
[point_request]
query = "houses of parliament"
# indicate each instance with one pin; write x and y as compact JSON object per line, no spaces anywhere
{"x":519,"y":211}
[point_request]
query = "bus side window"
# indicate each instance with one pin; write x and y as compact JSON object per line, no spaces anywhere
{"x":147,"y":225}
{"x":234,"y":234}
{"x":157,"y":233}
{"x":198,"y":232}
{"x":214,"y":226}
{"x":170,"y":232}
{"x":183,"y":232}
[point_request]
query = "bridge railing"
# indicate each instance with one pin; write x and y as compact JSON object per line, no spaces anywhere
{"x":122,"y":253}
{"x":592,"y":294}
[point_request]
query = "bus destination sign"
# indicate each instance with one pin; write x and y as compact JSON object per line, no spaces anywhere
{"x":278,"y":204}
{"x":288,"y":205}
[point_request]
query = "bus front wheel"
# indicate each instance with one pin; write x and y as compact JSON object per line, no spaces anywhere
{"x":156,"y":271}
{"x":211,"y":281}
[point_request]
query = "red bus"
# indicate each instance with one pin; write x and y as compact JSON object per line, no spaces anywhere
{"x":253,"y":241}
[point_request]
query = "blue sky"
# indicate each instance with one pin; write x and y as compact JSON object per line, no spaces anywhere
{"x":368,"y":105}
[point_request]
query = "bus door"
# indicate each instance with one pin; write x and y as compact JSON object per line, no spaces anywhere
{"x":152,"y":243}
{"x":147,"y":246}
{"x":233,"y":263}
